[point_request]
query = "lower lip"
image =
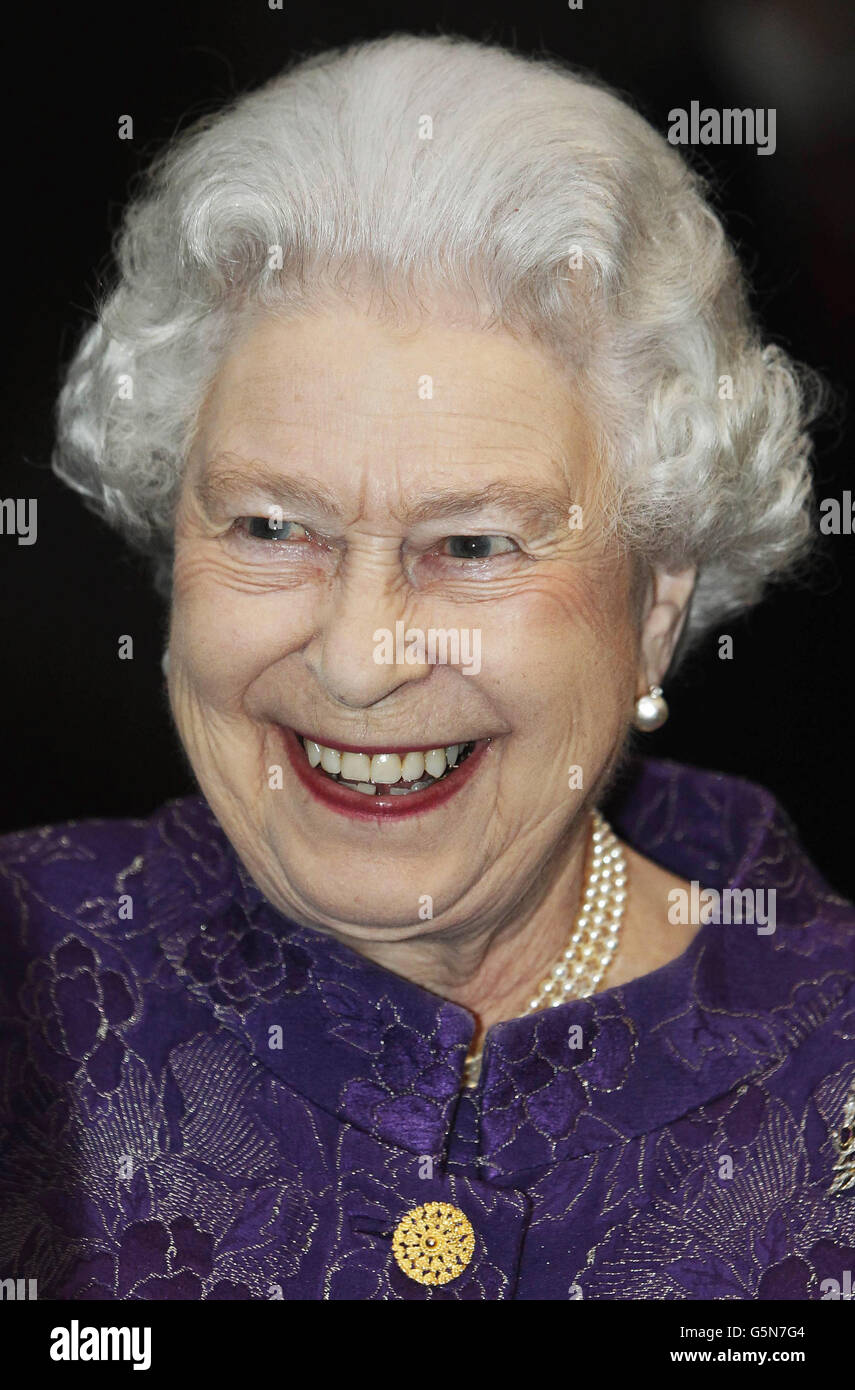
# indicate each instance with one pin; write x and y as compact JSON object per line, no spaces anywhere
{"x":380,"y":806}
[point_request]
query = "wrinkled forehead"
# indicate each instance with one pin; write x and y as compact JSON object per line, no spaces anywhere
{"x":361,"y":408}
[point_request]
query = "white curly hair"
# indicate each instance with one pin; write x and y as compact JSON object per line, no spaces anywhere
{"x":543,"y":195}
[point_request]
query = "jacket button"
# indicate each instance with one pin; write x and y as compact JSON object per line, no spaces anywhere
{"x":434,"y":1243}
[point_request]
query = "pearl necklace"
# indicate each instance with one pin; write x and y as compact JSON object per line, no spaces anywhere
{"x":594,"y":938}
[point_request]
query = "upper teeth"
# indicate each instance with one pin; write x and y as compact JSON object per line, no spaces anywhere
{"x":381,"y":768}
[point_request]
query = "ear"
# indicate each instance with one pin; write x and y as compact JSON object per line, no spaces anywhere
{"x":664,"y":614}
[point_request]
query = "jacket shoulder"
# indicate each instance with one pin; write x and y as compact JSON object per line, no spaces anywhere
{"x":56,"y":877}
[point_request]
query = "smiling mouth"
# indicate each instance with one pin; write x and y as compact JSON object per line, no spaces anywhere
{"x":404,"y":773}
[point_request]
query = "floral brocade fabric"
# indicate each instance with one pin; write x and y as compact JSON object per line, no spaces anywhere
{"x":201,"y":1100}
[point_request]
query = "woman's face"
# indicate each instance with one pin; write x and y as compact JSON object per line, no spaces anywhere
{"x":434,"y":481}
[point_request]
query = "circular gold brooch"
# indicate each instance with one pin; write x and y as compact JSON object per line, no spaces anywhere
{"x":433,"y":1244}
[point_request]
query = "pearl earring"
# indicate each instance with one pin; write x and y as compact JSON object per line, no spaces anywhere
{"x":651,"y":710}
{"x":164,"y":661}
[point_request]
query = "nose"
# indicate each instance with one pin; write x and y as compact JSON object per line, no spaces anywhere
{"x":355,"y":636}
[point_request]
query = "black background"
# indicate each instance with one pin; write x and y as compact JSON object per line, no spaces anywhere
{"x":87,"y":734}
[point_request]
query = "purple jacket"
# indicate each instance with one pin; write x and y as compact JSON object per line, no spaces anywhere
{"x":200,"y":1100}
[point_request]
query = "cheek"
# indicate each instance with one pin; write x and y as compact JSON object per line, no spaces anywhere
{"x":570,"y":637}
{"x":222,"y":637}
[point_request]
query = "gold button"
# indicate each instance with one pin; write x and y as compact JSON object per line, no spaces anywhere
{"x":433,"y":1244}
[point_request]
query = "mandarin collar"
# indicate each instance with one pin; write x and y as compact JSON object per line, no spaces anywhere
{"x":387,"y":1056}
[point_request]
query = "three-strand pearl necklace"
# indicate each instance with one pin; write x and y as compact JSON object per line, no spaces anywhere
{"x":594,"y":938}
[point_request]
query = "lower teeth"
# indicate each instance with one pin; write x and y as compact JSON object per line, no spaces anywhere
{"x":369,"y":788}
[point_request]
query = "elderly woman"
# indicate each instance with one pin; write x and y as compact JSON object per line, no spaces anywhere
{"x":428,"y":383}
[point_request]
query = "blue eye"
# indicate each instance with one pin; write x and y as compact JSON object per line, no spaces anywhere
{"x":265,"y":528}
{"x":478,"y":547}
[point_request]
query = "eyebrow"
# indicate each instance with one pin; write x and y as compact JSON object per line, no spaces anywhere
{"x":535,"y":505}
{"x":543,"y":505}
{"x":224,"y":482}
